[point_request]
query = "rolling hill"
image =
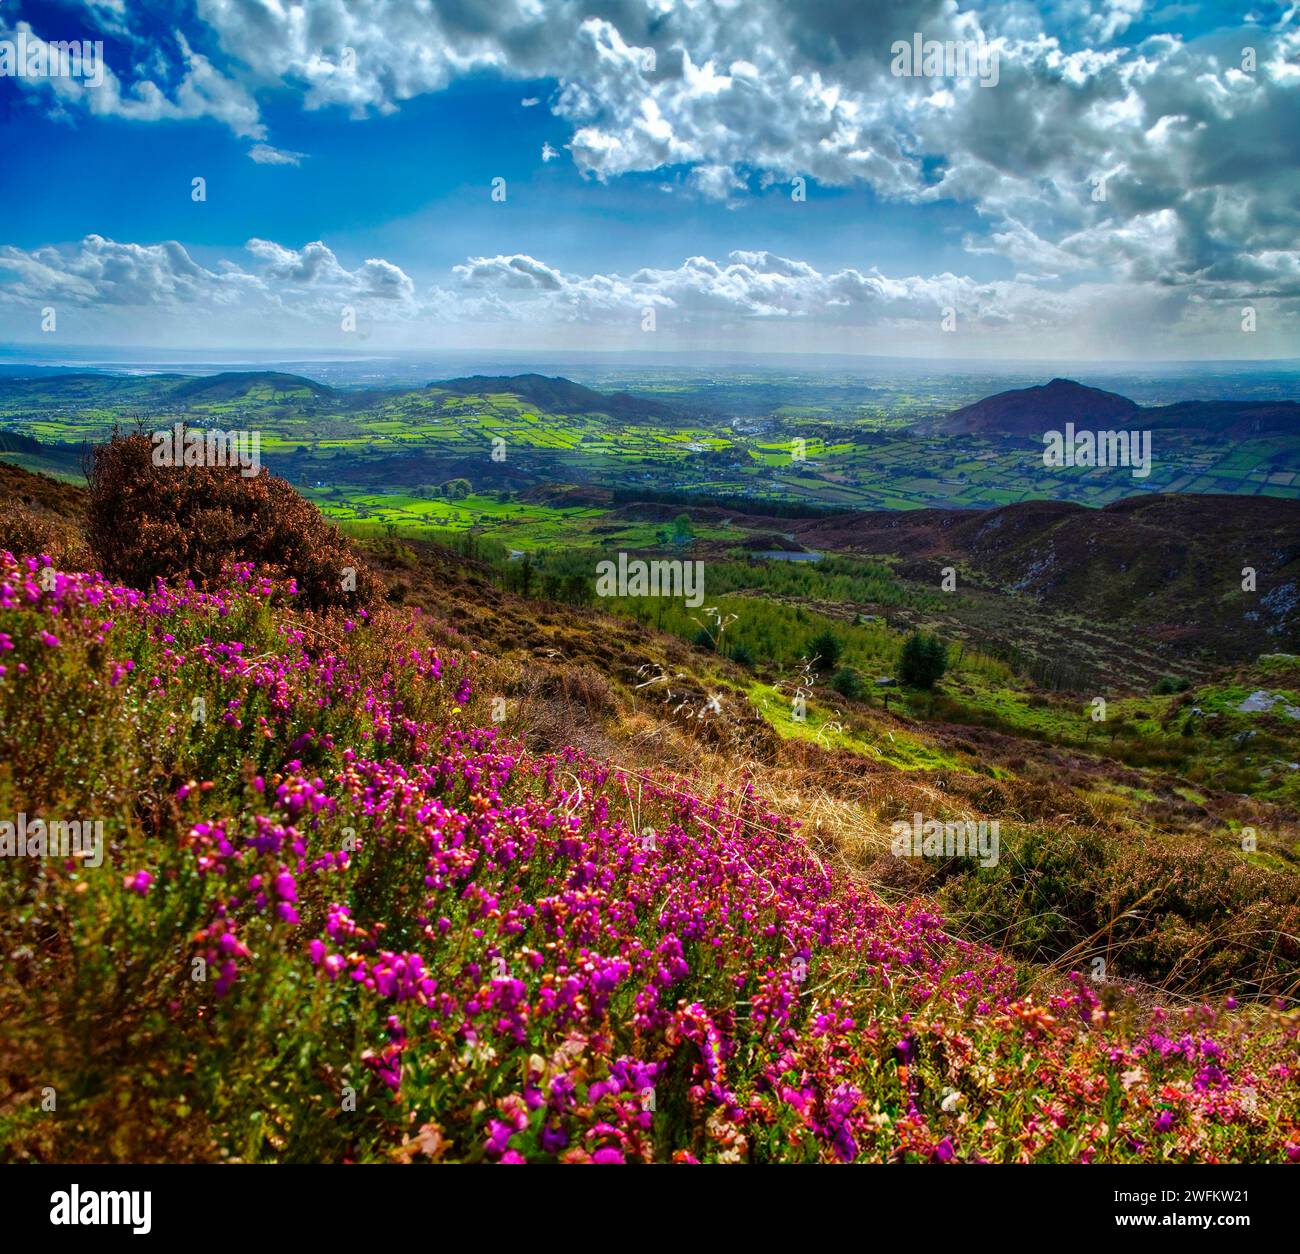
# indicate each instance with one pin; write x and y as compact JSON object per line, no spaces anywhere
{"x":561,"y":396}
{"x":237,"y":384}
{"x":1032,"y":411}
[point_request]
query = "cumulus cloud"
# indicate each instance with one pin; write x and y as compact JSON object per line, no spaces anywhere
{"x":746,"y":285}
{"x":202,"y":92}
{"x":1197,"y":154}
{"x":1193,"y":140}
{"x":753,"y":298}
{"x":309,"y":282}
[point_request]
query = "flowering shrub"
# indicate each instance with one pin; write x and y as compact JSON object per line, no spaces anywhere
{"x":339,"y":920}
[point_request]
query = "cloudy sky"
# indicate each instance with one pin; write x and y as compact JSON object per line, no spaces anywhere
{"x":1116,"y":179}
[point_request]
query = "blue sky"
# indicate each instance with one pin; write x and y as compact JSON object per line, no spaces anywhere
{"x":649,"y":152}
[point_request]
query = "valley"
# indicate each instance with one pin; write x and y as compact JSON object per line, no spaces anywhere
{"x":1113,"y":701}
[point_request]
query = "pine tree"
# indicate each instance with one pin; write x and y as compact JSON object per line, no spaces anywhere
{"x":923,"y":661}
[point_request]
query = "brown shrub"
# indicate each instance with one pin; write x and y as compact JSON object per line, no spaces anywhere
{"x":578,"y":685}
{"x":146,"y":522}
{"x":30,"y":532}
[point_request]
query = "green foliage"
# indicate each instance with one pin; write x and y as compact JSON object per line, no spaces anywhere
{"x":923,"y":661}
{"x":742,"y":656}
{"x":825,"y":650}
{"x":848,"y":682}
{"x":1167,"y":684}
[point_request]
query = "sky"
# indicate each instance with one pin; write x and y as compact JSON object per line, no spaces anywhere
{"x":1090,"y":179}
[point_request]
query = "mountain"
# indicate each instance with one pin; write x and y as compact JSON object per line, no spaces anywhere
{"x":561,"y":396}
{"x":1032,"y":411}
{"x":237,"y":384}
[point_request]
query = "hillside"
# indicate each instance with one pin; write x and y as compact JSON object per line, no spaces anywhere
{"x":1169,"y":566}
{"x":493,"y":865}
{"x":1031,"y":411}
{"x":814,"y":443}
{"x":237,"y":385}
{"x":560,"y":396}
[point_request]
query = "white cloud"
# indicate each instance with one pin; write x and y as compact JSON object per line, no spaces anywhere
{"x":750,"y":298}
{"x":1199,"y":154}
{"x":203,"y":92}
{"x":778,"y":88}
{"x":309,"y":282}
{"x":265,"y":154}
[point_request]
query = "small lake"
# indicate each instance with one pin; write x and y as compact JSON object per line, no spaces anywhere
{"x":785,"y":555}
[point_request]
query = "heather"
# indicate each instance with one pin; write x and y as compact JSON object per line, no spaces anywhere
{"x":343,"y":917}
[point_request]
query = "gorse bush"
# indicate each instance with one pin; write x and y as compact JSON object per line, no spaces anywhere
{"x":339,"y":919}
{"x":147,"y":522}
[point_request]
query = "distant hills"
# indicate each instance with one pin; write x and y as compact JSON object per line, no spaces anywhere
{"x":1033,"y":411}
{"x":558,"y":395}
{"x":554,"y":395}
{"x":1026,"y":412}
{"x":236,"y":384}
{"x":161,"y":389}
